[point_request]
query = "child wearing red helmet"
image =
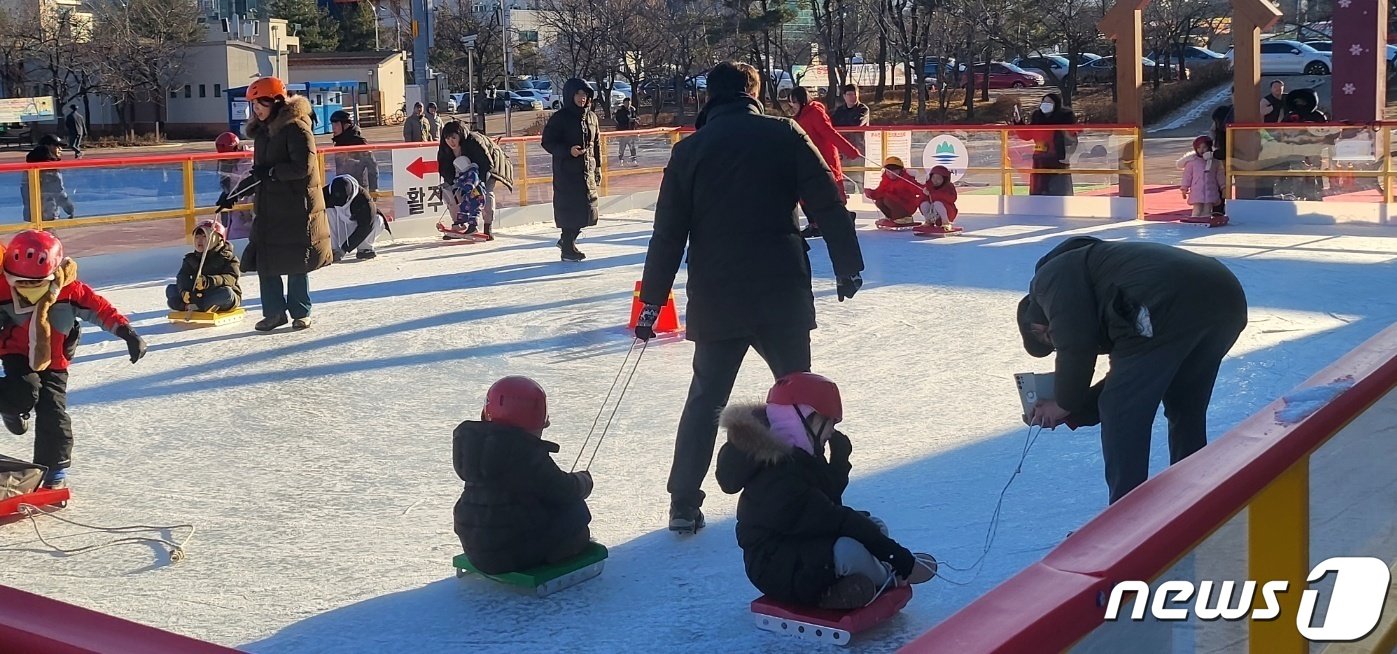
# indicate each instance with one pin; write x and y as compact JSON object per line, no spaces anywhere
{"x":799,"y":542}
{"x":40,"y":304}
{"x":231,"y":173}
{"x":208,"y":277}
{"x":519,"y":510}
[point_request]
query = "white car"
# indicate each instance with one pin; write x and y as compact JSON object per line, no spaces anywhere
{"x":1292,"y":58}
{"x":543,"y":97}
{"x":1328,"y":47}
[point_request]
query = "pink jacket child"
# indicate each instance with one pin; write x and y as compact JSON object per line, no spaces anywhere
{"x":1203,"y":178}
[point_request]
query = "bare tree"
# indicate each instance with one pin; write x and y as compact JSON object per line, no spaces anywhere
{"x":143,"y":45}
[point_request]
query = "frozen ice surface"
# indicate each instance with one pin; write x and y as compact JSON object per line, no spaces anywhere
{"x":317,"y":464}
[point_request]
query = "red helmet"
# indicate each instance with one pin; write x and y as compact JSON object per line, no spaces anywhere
{"x":517,"y":402}
{"x":226,"y":142}
{"x":1204,"y":140}
{"x":809,"y":389}
{"x":33,"y":254}
{"x":209,"y":225}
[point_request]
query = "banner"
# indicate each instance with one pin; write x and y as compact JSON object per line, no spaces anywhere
{"x":873,"y":154}
{"x":26,"y":110}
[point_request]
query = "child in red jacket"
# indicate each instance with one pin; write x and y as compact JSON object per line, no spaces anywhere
{"x":898,"y":193}
{"x":939,"y":209}
{"x":40,"y":303}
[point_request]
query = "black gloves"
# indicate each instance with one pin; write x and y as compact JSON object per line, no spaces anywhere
{"x":839,"y":446}
{"x":584,"y":482}
{"x":134,"y":344}
{"x":848,"y":285}
{"x":225,"y":203}
{"x":263,"y":173}
{"x":645,"y":324}
{"x":902,"y":562}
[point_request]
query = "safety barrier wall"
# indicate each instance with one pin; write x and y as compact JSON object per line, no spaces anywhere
{"x":33,"y":623}
{"x":997,"y":163}
{"x":1319,"y":172}
{"x":1305,"y":479}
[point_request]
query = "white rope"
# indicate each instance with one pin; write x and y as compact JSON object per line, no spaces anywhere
{"x":176,"y":548}
{"x":993,"y":529}
{"x":620,"y":397}
{"x":601,"y":409}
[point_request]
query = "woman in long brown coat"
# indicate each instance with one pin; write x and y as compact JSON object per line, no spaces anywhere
{"x":290,"y":236}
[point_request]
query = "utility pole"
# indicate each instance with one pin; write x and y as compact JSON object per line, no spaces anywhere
{"x":468,"y":42}
{"x":504,"y":61}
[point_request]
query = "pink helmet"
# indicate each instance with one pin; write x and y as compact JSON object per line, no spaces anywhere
{"x":810,"y":389}
{"x":210,"y":225}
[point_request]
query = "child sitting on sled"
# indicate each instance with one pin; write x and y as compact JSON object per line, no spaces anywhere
{"x":939,"y":207}
{"x":40,"y":304}
{"x":470,"y":194}
{"x":518,"y":510}
{"x":898,"y":194}
{"x":208,"y":276}
{"x":799,"y":542}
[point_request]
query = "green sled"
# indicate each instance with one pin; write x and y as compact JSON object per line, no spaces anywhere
{"x":545,"y":579}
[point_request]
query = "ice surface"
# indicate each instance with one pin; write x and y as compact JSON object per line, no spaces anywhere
{"x":317,"y":465}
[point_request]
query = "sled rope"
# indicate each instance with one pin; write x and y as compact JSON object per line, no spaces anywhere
{"x":620,"y":397}
{"x":601,"y":409}
{"x":993,"y":529}
{"x":176,"y":548}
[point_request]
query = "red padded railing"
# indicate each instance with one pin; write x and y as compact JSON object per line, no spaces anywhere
{"x":35,"y":624}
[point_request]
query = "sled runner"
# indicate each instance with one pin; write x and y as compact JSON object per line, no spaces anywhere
{"x":56,"y":497}
{"x":824,"y":625}
{"x":1215,"y":220}
{"x":934,"y":231}
{"x":207,"y":318}
{"x":888,"y":225}
{"x":545,"y":579}
{"x":451,"y":234}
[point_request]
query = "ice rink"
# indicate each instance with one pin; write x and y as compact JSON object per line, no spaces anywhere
{"x":316,"y":466}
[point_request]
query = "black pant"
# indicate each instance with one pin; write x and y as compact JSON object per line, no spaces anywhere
{"x":1181,"y":375}
{"x":715,"y":369}
{"x":213,"y":299}
{"x":570,"y":235}
{"x":45,"y":394}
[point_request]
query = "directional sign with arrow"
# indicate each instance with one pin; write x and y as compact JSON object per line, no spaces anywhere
{"x":421,"y":167}
{"x":415,"y":177}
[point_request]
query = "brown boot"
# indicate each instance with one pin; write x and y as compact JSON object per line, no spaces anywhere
{"x":849,"y":593}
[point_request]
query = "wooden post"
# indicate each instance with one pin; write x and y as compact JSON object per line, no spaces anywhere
{"x":1124,"y":24}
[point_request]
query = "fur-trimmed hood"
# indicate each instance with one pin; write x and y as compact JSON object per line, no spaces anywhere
{"x":751,"y":436}
{"x":296,"y":110}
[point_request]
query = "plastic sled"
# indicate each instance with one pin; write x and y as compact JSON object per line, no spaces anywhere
{"x":545,"y":579}
{"x":890,"y":226}
{"x":1215,"y":220}
{"x":459,"y":236}
{"x":207,"y":318}
{"x":38,"y":497}
{"x":824,"y":625}
{"x":937,"y":232}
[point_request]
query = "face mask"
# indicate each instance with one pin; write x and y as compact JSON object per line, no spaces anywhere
{"x":32,"y":293}
{"x":1208,"y":154}
{"x":1046,"y":107}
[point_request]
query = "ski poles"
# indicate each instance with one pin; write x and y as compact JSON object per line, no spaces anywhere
{"x":619,"y":398}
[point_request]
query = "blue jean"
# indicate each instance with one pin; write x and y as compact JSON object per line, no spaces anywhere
{"x":277,"y":301}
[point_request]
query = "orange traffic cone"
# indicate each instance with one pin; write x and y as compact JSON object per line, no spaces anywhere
{"x":668,"y":320}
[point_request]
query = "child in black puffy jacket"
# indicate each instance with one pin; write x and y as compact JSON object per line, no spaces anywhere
{"x":799,"y":542}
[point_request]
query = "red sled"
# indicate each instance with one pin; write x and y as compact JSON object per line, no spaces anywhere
{"x":1215,"y":220}
{"x":888,"y":225}
{"x":39,"y":497}
{"x":824,"y":625}
{"x":937,"y":231}
{"x":450,"y":234}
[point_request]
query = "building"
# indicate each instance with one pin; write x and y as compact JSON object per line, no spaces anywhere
{"x":382,"y":78}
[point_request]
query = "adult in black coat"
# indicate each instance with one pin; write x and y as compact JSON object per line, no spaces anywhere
{"x":518,"y":509}
{"x":729,"y":194}
{"x":1164,"y":315}
{"x":1302,"y":106}
{"x":1051,"y":149}
{"x":573,"y":137}
{"x":791,"y":511}
{"x":494,"y":165}
{"x":360,"y":164}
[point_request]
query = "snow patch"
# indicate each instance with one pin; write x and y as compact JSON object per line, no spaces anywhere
{"x":1304,"y":403}
{"x":1196,"y":110}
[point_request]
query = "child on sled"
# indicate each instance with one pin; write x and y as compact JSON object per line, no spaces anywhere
{"x":939,"y":207}
{"x":470,"y":195}
{"x":799,"y":542}
{"x":518,"y":510}
{"x":898,"y":194}
{"x":208,"y":276}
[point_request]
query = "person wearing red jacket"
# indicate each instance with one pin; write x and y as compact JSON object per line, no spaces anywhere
{"x":812,"y":117}
{"x":939,"y":207}
{"x":898,"y":194}
{"x":40,"y":304}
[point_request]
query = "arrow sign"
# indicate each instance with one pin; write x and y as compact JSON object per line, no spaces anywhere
{"x":422,"y":167}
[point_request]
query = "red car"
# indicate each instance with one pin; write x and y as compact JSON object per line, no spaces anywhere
{"x":1004,"y":75}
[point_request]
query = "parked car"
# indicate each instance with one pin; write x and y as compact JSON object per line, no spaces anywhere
{"x":1083,"y":58}
{"x":516,"y":102}
{"x":452,"y":104}
{"x":1103,"y":70}
{"x":544,"y":98}
{"x":1004,"y":75}
{"x":1053,"y":68}
{"x":1194,"y":57}
{"x":933,"y":68}
{"x":1283,"y":57}
{"x":780,"y":79}
{"x":1328,"y":47}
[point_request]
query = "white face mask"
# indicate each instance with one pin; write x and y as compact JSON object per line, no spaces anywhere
{"x":1046,"y":107}
{"x":1208,"y":154}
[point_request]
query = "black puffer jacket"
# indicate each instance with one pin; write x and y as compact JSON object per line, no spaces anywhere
{"x":220,"y":266}
{"x":791,"y":512}
{"x":359,"y":165}
{"x":1092,"y":292}
{"x":517,"y":504}
{"x":575,"y":179}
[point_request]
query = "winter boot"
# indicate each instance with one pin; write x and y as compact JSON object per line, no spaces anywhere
{"x":810,"y":231}
{"x":17,"y":424}
{"x":486,"y":232}
{"x":849,"y":593}
{"x":300,"y":323}
{"x":365,"y":254}
{"x":56,"y":479}
{"x":270,"y":323}
{"x":573,"y":255}
{"x":685,"y":519}
{"x":924,"y":569}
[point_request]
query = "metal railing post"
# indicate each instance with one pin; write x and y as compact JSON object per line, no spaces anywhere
{"x":1278,"y":549}
{"x":523,"y":173}
{"x":189,"y":200}
{"x":36,"y":200}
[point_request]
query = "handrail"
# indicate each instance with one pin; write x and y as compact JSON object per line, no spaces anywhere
{"x":1056,"y":602}
{"x":34,"y":623}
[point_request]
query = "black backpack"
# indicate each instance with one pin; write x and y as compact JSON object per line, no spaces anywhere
{"x":478,"y":146}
